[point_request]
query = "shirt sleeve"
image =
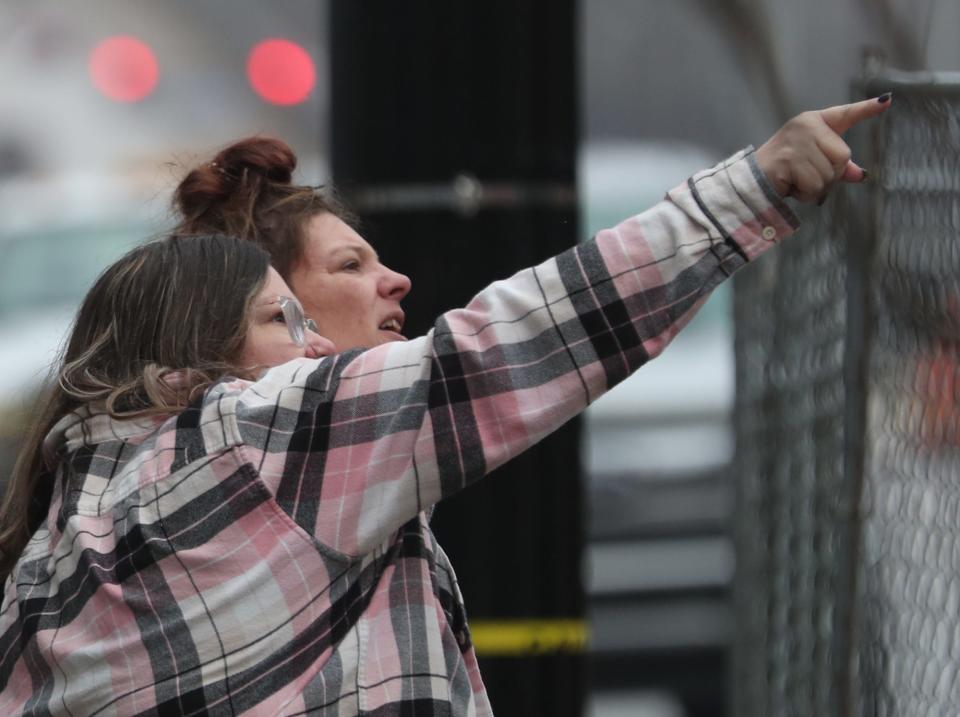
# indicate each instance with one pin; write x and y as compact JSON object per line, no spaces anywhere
{"x":355,"y":445}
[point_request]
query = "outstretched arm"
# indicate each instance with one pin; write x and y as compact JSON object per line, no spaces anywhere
{"x":355,"y":445}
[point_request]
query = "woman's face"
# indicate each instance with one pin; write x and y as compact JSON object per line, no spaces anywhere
{"x":342,"y":285}
{"x":268,"y":342}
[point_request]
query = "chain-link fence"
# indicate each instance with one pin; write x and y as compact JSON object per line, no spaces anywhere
{"x":848,"y":467}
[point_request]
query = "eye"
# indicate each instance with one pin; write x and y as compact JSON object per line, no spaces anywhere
{"x":279,"y":318}
{"x":350,"y":265}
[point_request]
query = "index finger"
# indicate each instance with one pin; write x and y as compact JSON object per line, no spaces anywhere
{"x":842,"y":117}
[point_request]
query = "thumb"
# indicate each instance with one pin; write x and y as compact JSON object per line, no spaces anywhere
{"x":853,"y":172}
{"x":842,"y":117}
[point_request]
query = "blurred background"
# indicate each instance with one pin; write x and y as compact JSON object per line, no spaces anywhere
{"x":106,"y":104}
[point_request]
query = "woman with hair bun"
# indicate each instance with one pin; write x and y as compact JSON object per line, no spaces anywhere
{"x":247,"y":191}
{"x":214,"y":515}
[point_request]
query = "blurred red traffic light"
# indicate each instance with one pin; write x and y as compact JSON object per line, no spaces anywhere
{"x":124,"y":68}
{"x":281,"y":72}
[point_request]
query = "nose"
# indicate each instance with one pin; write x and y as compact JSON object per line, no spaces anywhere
{"x":393,"y":284}
{"x":318,"y":345}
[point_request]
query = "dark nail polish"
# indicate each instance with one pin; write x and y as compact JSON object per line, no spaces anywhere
{"x":866,"y":176}
{"x":885,"y":97}
{"x":822,"y":199}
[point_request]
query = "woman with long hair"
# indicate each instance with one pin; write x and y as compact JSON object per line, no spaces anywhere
{"x":214,"y":514}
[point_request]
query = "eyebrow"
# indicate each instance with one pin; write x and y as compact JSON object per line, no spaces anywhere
{"x":359,"y":248}
{"x":272,"y":301}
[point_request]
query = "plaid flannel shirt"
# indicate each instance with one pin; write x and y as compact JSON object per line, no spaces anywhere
{"x":267,"y":551}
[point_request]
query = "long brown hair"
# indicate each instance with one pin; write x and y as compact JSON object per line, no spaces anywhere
{"x":178,"y":305}
{"x":247,"y":191}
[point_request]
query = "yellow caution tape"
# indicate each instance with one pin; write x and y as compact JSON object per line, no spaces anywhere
{"x":513,"y":638}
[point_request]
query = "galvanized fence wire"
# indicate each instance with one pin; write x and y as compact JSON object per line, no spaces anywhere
{"x":909,"y":597}
{"x":847,"y":520}
{"x":790,"y":316}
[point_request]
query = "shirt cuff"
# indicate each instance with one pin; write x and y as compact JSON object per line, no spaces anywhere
{"x":736,"y":201}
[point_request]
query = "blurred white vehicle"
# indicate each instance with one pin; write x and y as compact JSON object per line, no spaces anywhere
{"x":56,"y":236}
{"x":658,"y":559}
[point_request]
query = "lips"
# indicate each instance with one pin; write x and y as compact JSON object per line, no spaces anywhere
{"x":393,"y":323}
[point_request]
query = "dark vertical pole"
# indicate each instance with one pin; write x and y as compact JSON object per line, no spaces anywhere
{"x":454,"y":133}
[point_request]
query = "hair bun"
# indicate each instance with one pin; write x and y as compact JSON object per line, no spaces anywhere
{"x":270,"y":158}
{"x":226,"y":178}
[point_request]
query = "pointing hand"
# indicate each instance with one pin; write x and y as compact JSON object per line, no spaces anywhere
{"x":806,"y":156}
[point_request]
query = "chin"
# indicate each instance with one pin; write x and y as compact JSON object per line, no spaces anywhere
{"x":391,"y":338}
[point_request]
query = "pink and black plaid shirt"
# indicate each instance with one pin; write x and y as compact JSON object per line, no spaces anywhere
{"x":267,"y":551}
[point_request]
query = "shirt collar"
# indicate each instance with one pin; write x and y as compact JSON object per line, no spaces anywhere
{"x":90,"y":425}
